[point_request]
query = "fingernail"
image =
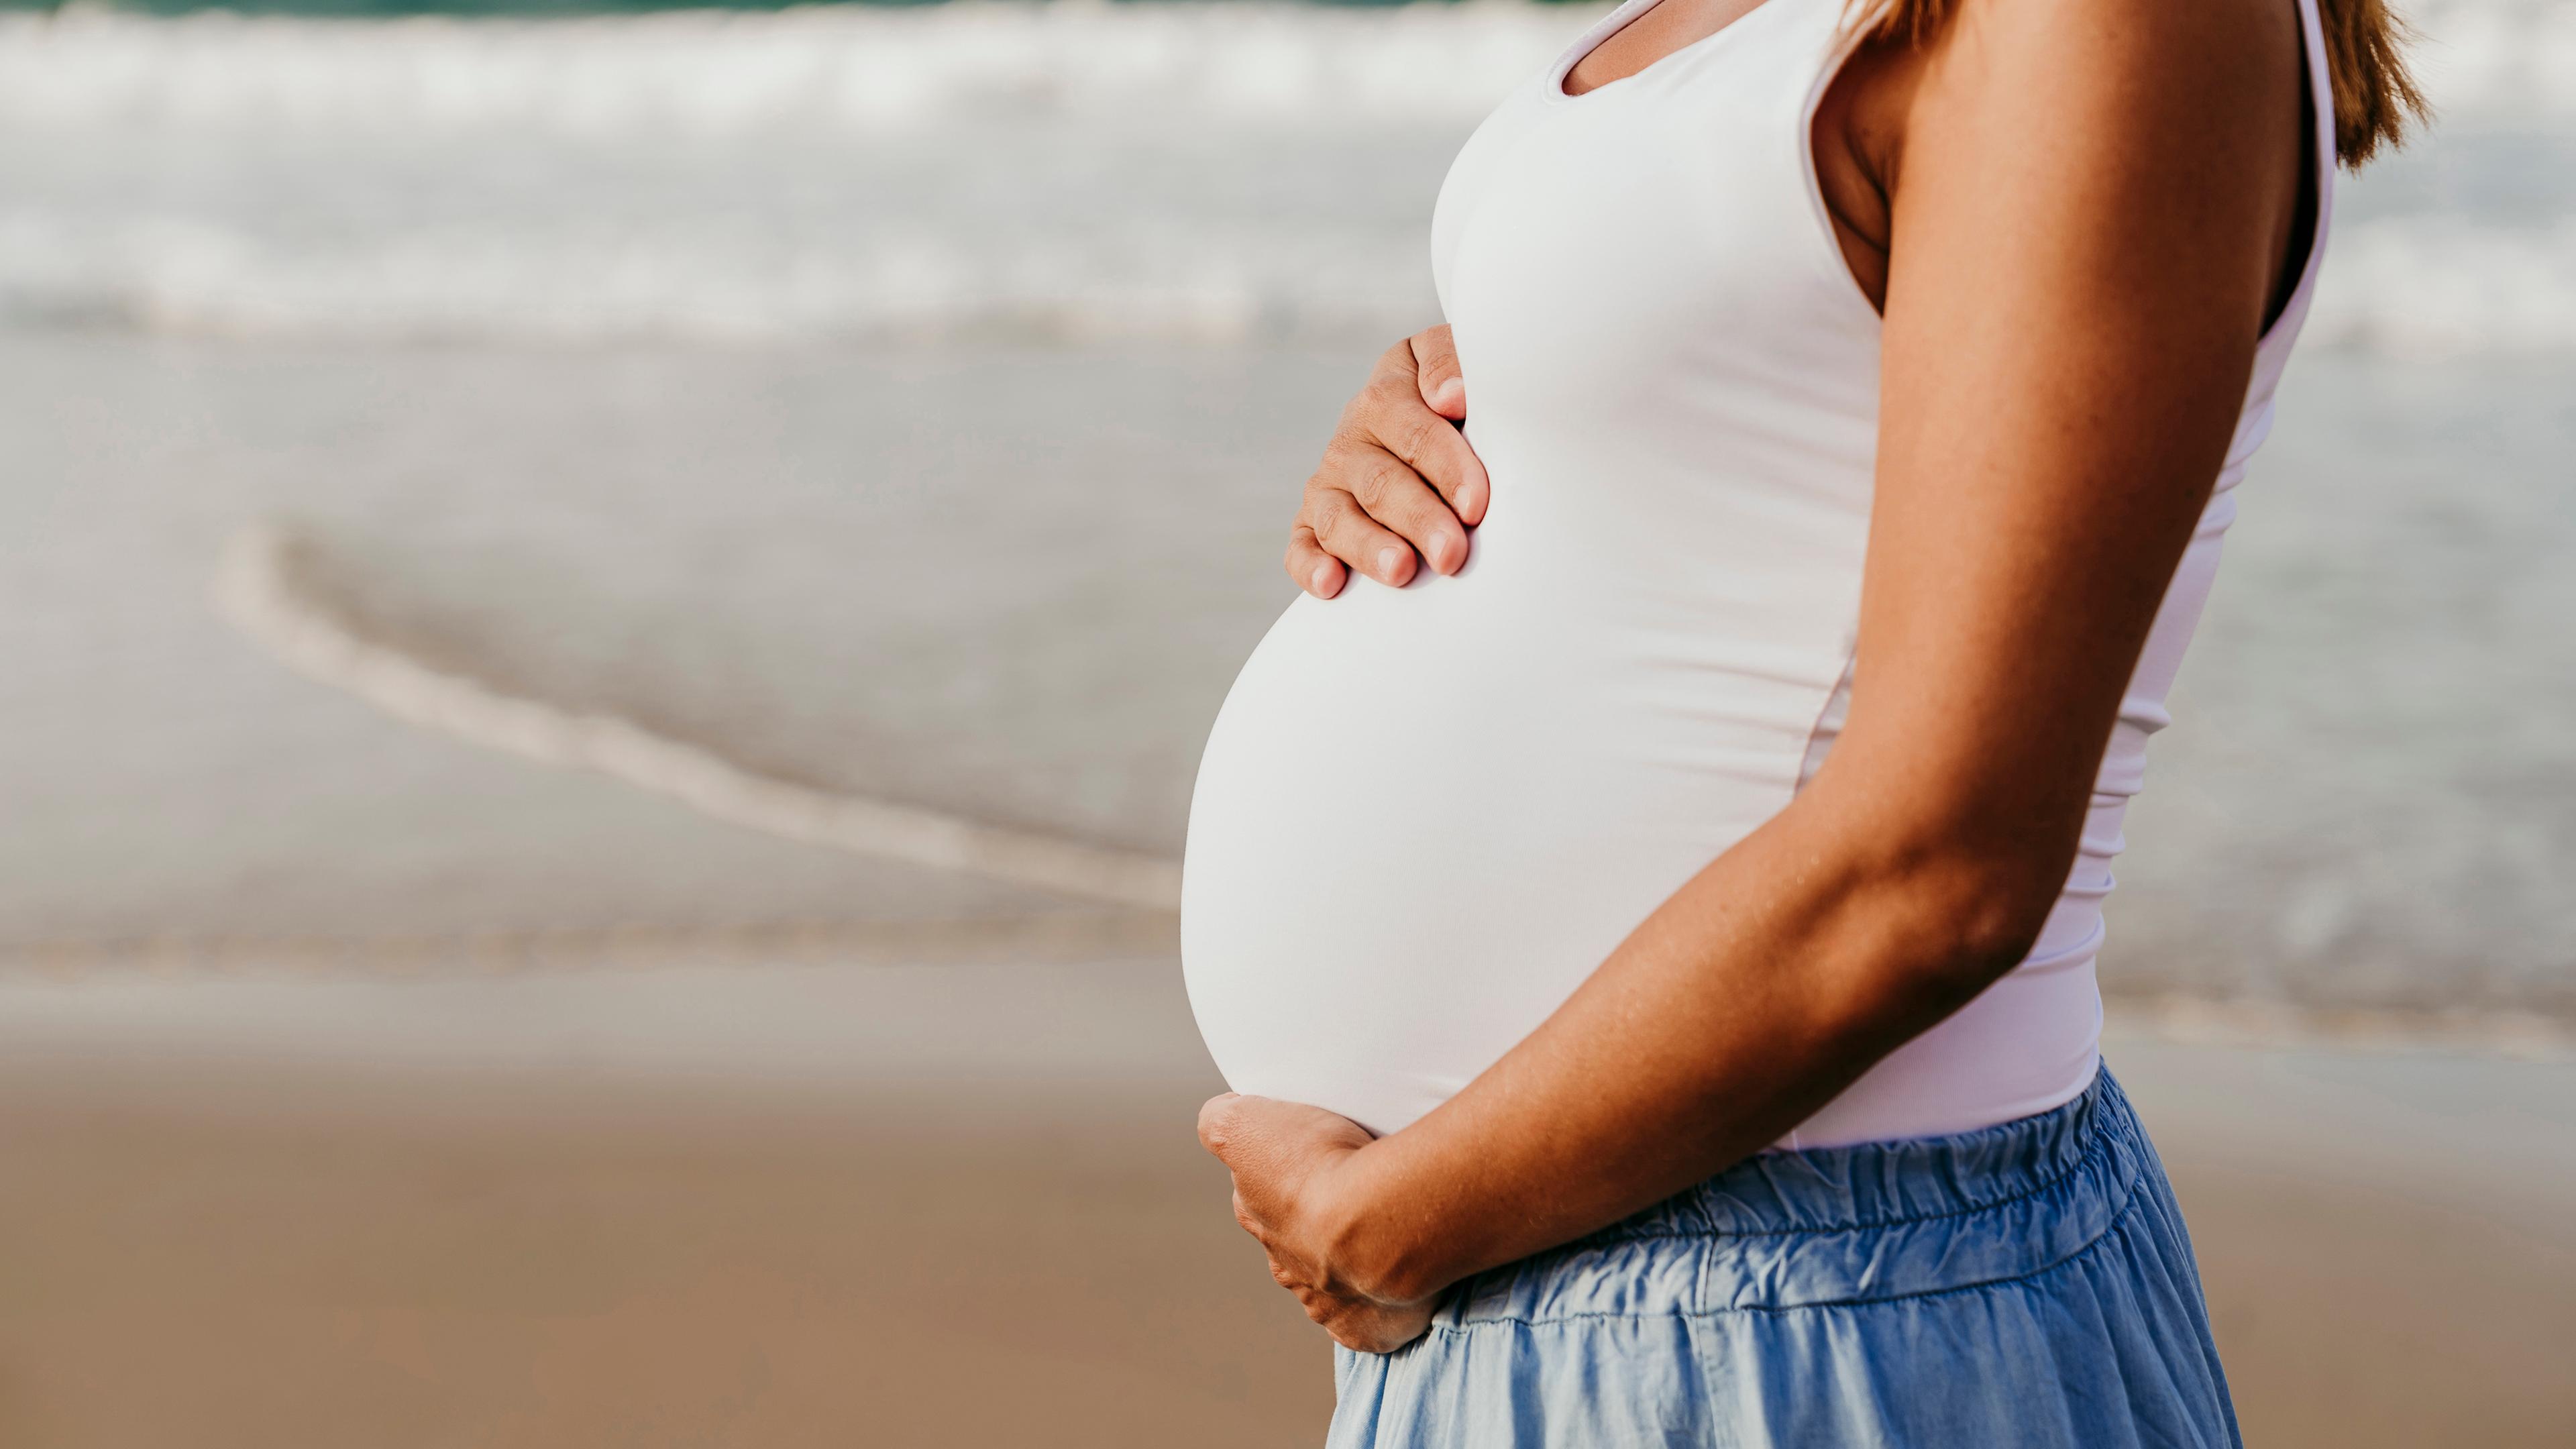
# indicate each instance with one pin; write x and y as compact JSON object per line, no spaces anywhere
{"x":1388,"y":560}
{"x":1451,"y":393}
{"x":1471,"y":501}
{"x":1440,"y":550}
{"x":1321,"y":580}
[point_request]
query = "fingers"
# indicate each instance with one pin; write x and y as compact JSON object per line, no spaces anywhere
{"x":1254,"y":1133}
{"x":1368,"y":1327}
{"x":1344,"y":529}
{"x":1354,"y":1321}
{"x":1398,"y":486}
{"x":1434,"y":454}
{"x":1435,"y":365}
{"x":1317,"y":572}
{"x":1368,"y":499}
{"x":1443,"y":389}
{"x":1217,"y":1117}
{"x":1393,"y":413}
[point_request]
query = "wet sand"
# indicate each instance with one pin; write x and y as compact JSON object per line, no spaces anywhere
{"x":961,"y":1205}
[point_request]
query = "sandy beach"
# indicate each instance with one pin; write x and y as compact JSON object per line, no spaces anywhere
{"x":707,"y":1162}
{"x":904,"y":404}
{"x":960,"y":1204}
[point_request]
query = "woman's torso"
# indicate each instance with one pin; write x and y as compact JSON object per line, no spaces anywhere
{"x":1426,"y":814}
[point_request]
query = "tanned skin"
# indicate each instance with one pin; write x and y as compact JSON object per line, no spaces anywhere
{"x":2075,"y":221}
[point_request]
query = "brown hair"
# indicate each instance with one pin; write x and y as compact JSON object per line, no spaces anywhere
{"x":2375,"y":98}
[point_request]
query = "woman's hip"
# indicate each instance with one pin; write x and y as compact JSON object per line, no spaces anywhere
{"x":2026,"y":1284}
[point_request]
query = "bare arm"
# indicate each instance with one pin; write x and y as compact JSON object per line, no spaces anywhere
{"x":2087,"y":205}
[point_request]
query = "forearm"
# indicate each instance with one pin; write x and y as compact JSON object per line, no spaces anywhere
{"x":1757,"y":992}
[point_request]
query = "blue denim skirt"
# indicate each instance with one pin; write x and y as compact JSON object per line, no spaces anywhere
{"x":2029,"y":1284}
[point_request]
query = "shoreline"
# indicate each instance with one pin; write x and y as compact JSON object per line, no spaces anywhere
{"x":1075,"y":935}
{"x":788,"y":1203}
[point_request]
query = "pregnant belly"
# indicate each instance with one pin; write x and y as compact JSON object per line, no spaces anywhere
{"x":1425,"y":815}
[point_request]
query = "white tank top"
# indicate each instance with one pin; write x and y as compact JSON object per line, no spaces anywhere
{"x":1426,"y":814}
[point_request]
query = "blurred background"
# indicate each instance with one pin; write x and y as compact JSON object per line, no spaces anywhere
{"x":533,"y":541}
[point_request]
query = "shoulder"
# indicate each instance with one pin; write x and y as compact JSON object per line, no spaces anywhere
{"x":2123,"y":144}
{"x":2169,"y":73}
{"x":2151,"y":118}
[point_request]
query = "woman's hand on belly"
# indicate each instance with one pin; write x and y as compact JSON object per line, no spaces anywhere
{"x":1286,"y":1158}
{"x":1397,"y":480}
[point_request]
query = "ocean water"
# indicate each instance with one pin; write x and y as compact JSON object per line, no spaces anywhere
{"x":908,"y":400}
{"x":1228,"y":173}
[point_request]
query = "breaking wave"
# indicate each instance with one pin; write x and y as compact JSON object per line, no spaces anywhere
{"x":1073,"y":170}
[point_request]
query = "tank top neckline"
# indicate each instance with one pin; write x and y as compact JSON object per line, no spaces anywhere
{"x":1627,"y":14}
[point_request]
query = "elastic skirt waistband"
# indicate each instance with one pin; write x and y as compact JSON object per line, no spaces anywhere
{"x":1859,"y":1224}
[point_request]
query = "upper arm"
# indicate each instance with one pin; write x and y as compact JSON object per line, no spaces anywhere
{"x":2086,"y":224}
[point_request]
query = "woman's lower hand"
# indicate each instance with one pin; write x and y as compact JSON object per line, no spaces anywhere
{"x":1353,"y":1322}
{"x":1292,"y":1192}
{"x":1398,"y":481}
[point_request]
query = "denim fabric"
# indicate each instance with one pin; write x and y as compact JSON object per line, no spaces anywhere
{"x":2025,"y":1285}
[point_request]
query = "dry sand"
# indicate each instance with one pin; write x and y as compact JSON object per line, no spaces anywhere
{"x":961,"y":1205}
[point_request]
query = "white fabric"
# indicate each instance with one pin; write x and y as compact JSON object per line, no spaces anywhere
{"x":1425,"y":815}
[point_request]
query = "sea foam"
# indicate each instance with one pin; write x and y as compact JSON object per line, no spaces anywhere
{"x":1193,"y":172}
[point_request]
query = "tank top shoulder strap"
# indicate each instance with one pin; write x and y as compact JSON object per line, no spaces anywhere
{"x":2274,"y":351}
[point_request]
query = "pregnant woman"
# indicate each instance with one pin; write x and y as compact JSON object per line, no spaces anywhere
{"x":1648,"y":909}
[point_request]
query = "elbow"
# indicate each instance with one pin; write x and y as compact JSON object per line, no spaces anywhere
{"x":1994,"y":925}
{"x":1954,"y":916}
